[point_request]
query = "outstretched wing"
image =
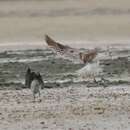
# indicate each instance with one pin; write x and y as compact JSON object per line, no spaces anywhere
{"x":63,"y":50}
{"x":69,"y":52}
{"x":57,"y":47}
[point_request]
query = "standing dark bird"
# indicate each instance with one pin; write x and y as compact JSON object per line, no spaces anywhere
{"x":28,"y":78}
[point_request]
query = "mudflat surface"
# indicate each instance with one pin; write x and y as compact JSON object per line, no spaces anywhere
{"x":68,"y":102}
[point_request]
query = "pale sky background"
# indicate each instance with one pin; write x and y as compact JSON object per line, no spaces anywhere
{"x":24,"y":22}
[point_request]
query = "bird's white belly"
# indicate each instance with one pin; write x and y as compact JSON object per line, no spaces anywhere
{"x":35,"y":86}
{"x":90,"y":70}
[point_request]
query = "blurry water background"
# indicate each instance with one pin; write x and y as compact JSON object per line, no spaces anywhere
{"x":24,"y":22}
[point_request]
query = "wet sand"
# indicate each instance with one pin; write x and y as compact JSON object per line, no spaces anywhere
{"x":74,"y":107}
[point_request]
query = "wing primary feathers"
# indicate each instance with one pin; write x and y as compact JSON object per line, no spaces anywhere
{"x":66,"y":50}
{"x":55,"y":45}
{"x":49,"y":41}
{"x":88,"y":57}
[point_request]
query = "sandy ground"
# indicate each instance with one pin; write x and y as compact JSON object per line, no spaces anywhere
{"x":71,"y":108}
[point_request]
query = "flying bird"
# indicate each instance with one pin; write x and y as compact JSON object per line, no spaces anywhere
{"x":92,"y":64}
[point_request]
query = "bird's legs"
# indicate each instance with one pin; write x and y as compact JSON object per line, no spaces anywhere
{"x":104,"y":81}
{"x":94,"y":79}
{"x":39,"y":96}
{"x":34,"y":97}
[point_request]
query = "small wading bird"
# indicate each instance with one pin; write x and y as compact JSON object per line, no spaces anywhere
{"x":34,"y":81}
{"x":92,"y":67}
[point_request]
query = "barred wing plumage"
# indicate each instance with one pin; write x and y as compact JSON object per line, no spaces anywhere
{"x":69,"y":52}
{"x":63,"y":50}
{"x":92,"y":67}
